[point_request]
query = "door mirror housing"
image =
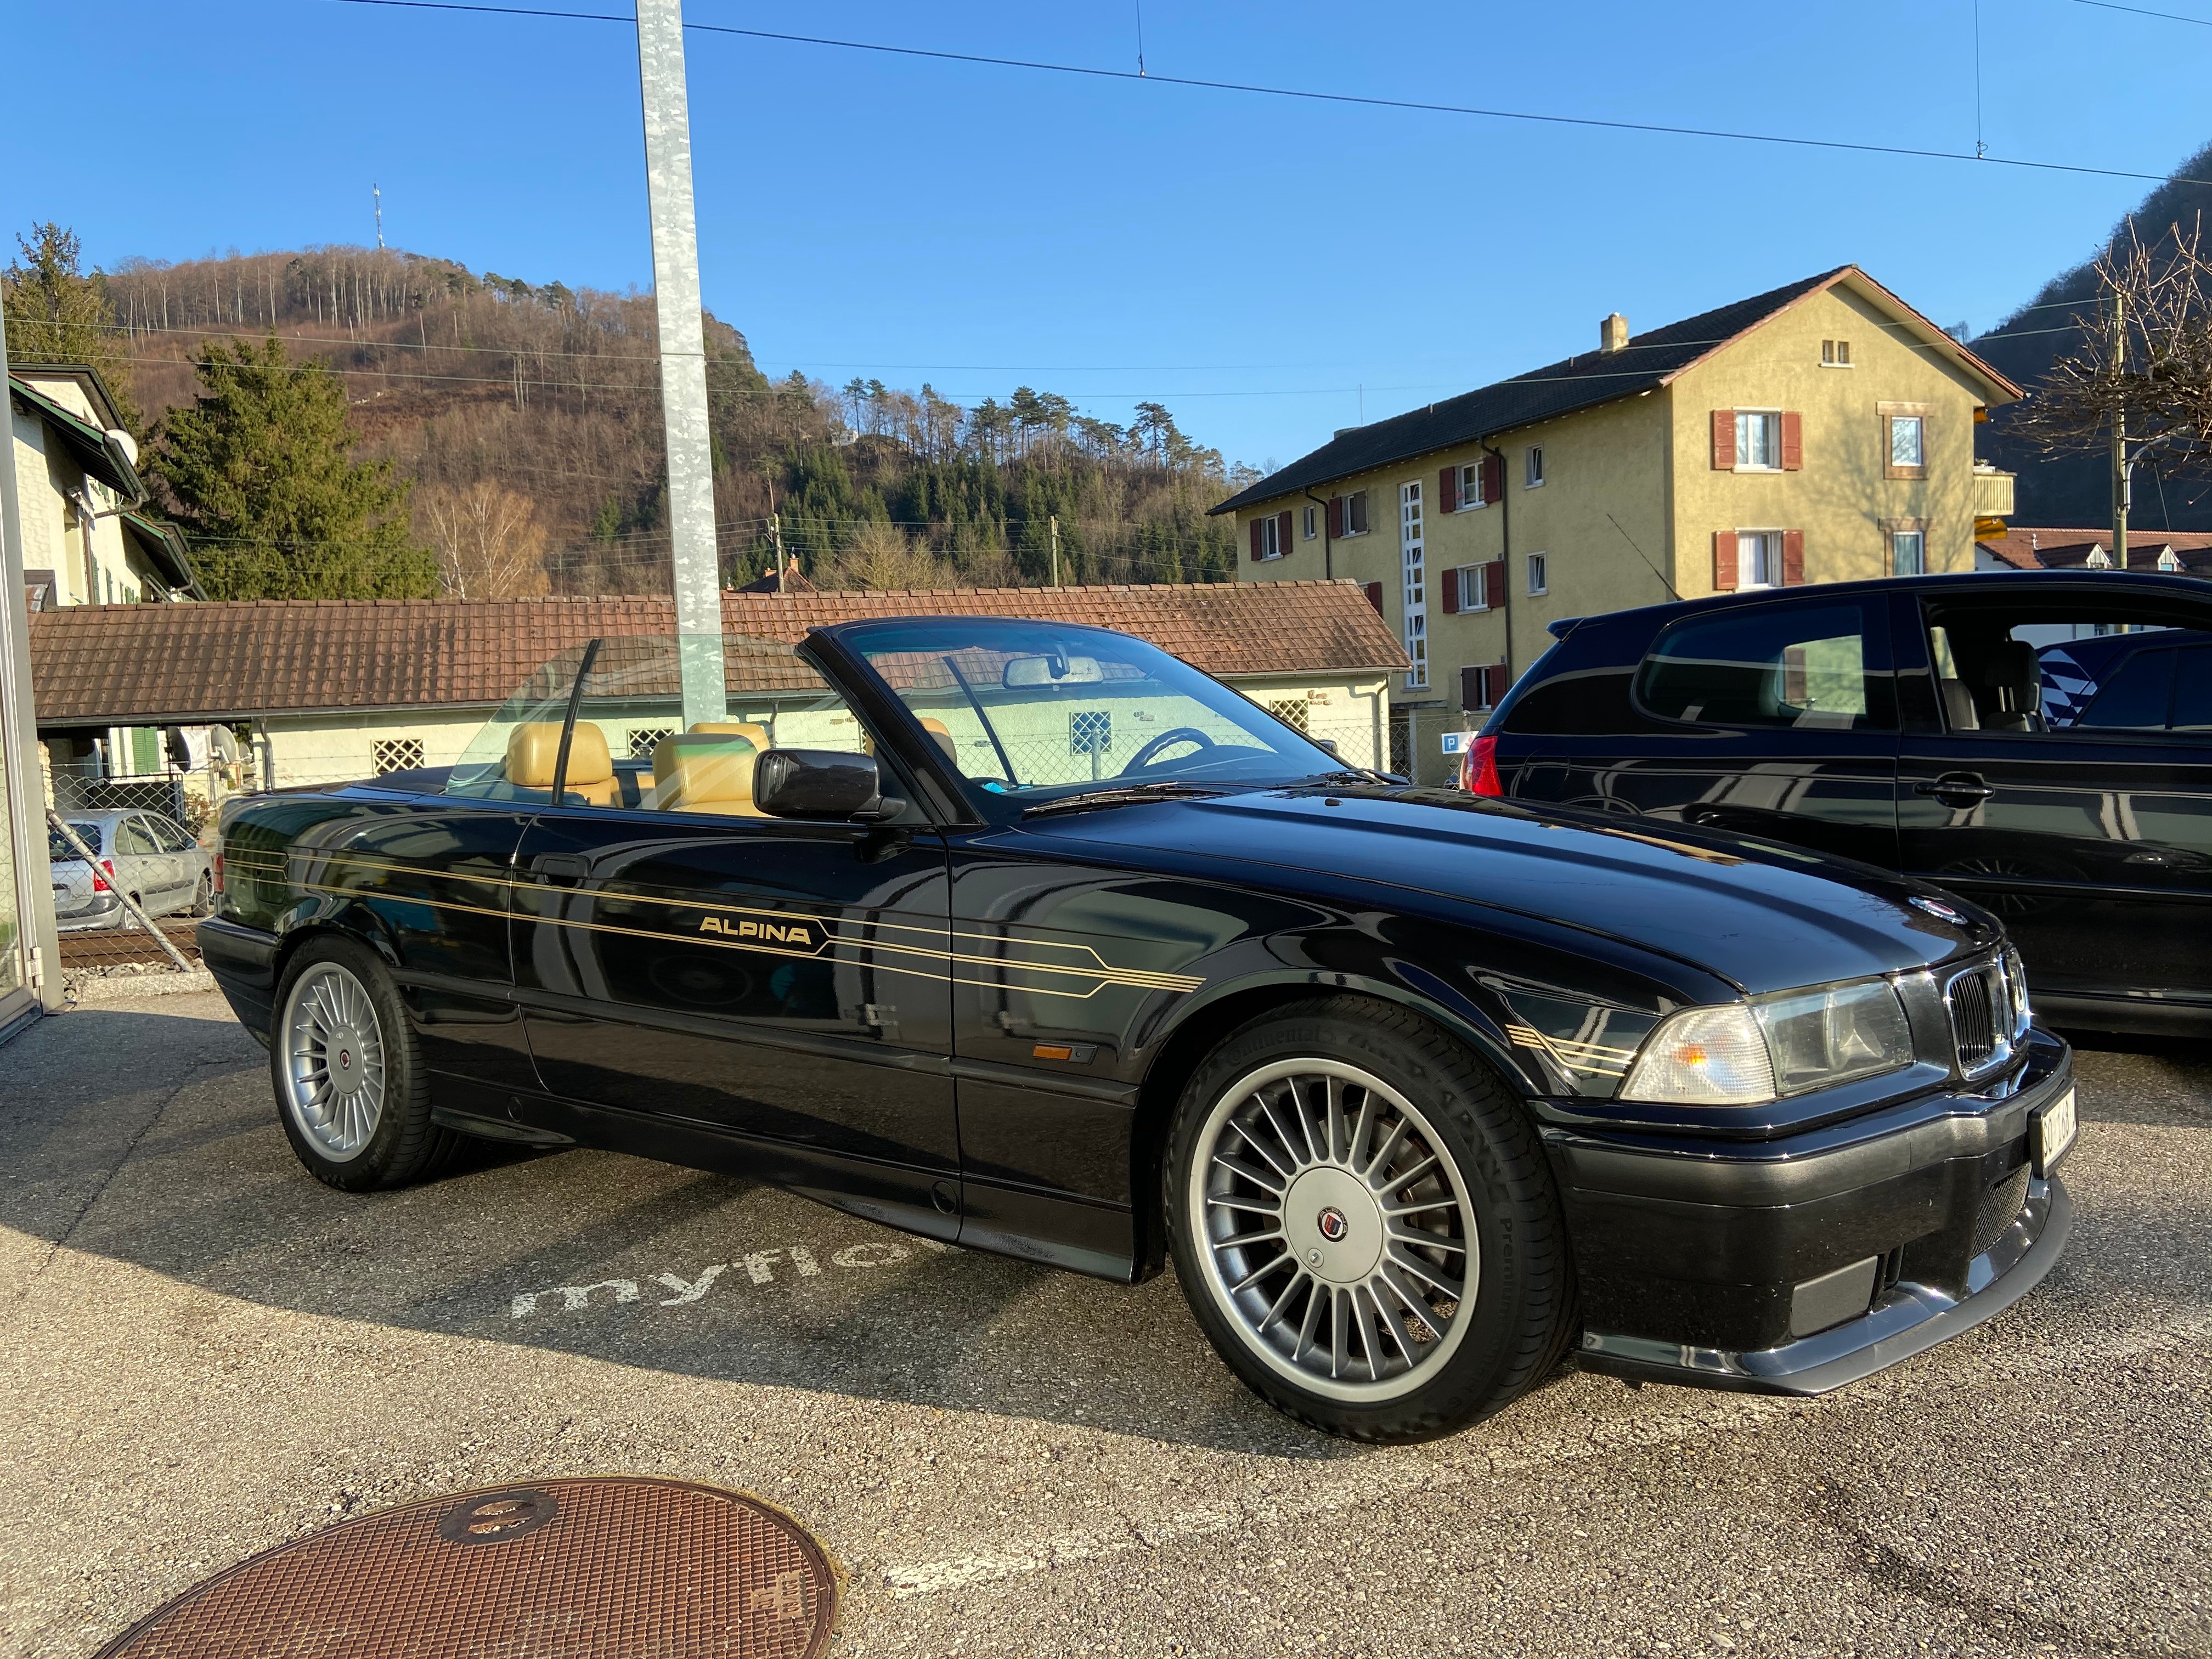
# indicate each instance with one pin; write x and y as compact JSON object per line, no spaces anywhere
{"x":820,"y":783}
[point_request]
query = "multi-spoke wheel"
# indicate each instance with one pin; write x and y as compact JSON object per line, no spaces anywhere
{"x":1364,"y":1222}
{"x":334,"y":1061}
{"x":1339,"y":1235}
{"x":351,"y":1092}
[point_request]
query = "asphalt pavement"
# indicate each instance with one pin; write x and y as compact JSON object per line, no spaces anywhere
{"x":204,"y":1354}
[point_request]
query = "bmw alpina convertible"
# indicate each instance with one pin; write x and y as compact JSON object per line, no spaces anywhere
{"x":1033,"y":938}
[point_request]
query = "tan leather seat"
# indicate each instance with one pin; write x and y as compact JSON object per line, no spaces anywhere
{"x":533,"y":751}
{"x":705,"y":772}
{"x":755,"y":735}
{"x":939,"y":730}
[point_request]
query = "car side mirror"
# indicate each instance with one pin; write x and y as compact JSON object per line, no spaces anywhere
{"x":820,"y":783}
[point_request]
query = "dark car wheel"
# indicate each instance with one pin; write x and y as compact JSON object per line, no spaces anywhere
{"x":1364,"y":1224}
{"x":351,"y":1092}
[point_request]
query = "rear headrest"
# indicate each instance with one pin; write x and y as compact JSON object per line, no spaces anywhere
{"x":2012,"y":663}
{"x":533,"y":749}
{"x":755,"y":735}
{"x":943,"y":733}
{"x":698,"y":768}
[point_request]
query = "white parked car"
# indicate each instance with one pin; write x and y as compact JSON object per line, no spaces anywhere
{"x":152,"y":858}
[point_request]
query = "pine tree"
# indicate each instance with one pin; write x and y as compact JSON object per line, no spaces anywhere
{"x":260,"y":476}
{"x":57,"y":314}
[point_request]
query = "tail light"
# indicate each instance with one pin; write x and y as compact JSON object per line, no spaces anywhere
{"x":99,"y":882}
{"x":1482,"y":767}
{"x":214,"y":866}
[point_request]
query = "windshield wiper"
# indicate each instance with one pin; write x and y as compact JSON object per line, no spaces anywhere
{"x":1129,"y":795}
{"x":1352,"y":775}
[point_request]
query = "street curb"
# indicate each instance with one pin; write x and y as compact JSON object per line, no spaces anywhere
{"x":131,"y":987}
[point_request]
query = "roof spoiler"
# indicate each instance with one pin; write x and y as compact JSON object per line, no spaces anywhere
{"x":1560,"y":628}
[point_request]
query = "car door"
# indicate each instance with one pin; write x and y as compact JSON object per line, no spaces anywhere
{"x":140,"y":864}
{"x":2063,"y":776}
{"x":1774,"y":718}
{"x":684,"y":961}
{"x":177,"y":849}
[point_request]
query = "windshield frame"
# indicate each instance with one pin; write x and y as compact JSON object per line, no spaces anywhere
{"x":844,"y":642}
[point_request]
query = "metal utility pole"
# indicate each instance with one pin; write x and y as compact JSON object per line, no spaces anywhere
{"x":1054,"y":522}
{"x":2123,"y":487}
{"x":376,"y":193}
{"x":775,"y":539}
{"x":682,"y":358}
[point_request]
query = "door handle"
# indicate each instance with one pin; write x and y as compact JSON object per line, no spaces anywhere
{"x":560,"y":866}
{"x":1956,"y":789}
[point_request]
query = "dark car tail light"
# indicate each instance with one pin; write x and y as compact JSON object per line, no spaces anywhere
{"x":1482,"y":767}
{"x":99,"y":882}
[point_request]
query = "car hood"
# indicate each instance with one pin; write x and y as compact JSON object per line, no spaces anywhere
{"x":1763,"y":917}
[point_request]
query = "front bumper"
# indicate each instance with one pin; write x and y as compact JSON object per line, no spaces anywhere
{"x":1798,"y":1265}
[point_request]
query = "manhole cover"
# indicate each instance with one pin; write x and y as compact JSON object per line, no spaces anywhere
{"x":606,"y":1568}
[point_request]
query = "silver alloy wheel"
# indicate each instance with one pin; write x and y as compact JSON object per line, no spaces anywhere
{"x":333,"y":1062}
{"x":1334,"y":1230}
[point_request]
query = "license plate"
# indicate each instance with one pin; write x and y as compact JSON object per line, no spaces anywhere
{"x":2050,"y":1132}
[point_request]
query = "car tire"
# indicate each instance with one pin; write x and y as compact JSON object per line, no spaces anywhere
{"x":203,"y":903}
{"x":351,"y":1091}
{"x":1418,"y":1168}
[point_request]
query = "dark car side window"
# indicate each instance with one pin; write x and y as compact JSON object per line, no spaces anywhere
{"x":2136,"y":696}
{"x":1812,"y":667}
{"x":2036,"y":665}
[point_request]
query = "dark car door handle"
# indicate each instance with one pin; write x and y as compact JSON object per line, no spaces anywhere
{"x":1955,"y":789}
{"x":560,"y":866}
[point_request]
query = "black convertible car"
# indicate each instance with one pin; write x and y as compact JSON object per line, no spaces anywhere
{"x":1033,"y":938}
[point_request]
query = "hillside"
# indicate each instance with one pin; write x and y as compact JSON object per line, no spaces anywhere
{"x":2076,"y":490}
{"x":531,"y":414}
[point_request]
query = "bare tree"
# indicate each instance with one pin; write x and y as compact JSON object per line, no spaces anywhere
{"x":489,"y":543}
{"x":881,"y":557}
{"x":2140,"y":384}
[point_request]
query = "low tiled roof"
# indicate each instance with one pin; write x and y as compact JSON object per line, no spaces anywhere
{"x":126,"y":664}
{"x":2032,"y":548}
{"x":1581,"y":381}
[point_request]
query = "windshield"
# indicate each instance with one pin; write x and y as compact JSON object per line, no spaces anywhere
{"x":1037,"y":710}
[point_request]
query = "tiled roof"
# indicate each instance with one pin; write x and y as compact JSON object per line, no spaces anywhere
{"x":169,"y":664}
{"x":2032,"y":548}
{"x":1581,"y":381}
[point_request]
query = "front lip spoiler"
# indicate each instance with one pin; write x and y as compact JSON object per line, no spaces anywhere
{"x":1911,"y":1319}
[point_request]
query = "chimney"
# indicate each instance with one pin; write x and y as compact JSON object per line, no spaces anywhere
{"x":1613,"y":333}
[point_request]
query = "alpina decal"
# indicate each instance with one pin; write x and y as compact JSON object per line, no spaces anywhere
{"x":797,"y":933}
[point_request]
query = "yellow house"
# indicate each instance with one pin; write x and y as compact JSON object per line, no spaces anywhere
{"x":1823,"y":431}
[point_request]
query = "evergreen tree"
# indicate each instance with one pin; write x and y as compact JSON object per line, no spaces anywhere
{"x":260,"y":476}
{"x":58,"y":315}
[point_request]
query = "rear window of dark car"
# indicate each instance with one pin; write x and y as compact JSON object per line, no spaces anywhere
{"x":1809,"y":667}
{"x":61,"y":852}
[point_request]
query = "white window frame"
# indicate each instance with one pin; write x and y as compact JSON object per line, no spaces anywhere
{"x":1484,"y":674}
{"x":1766,"y":539}
{"x":2170,"y":562}
{"x":1470,"y":490}
{"x":1539,"y":573}
{"x":1896,"y":540}
{"x":1306,"y":522}
{"x":1412,"y":548}
{"x":1470,"y":583}
{"x":1919,"y":440}
{"x":1271,"y":537}
{"x":1360,"y":495}
{"x":1742,"y":448}
{"x":1532,"y":467}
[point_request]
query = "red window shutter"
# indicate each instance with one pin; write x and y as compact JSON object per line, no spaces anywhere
{"x":1471,"y":687}
{"x":1451,"y":593}
{"x":1336,"y":521}
{"x":1375,"y":595}
{"x":1793,"y":558}
{"x":1283,"y":530}
{"x":1724,"y":560}
{"x":1724,"y":442}
{"x":1493,"y":584}
{"x":1493,"y":477}
{"x":1256,"y":552}
{"x":1447,"y":489}
{"x":1793,"y":440}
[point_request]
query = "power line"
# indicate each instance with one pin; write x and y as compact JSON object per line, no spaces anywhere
{"x":2170,"y":16}
{"x":1305,"y":94}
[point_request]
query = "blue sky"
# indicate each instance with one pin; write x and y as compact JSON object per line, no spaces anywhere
{"x":1270,"y":270}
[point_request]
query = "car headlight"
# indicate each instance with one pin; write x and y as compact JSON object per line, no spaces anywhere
{"x":2015,"y":974}
{"x":1748,"y":1053}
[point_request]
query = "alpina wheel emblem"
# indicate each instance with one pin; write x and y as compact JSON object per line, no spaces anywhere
{"x":1333,"y":1225}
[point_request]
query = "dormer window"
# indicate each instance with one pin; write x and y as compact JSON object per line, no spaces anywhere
{"x":2169,"y":562}
{"x":2098,"y":560}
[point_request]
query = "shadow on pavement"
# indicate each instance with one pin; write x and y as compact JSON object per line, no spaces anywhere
{"x":149,"y":1137}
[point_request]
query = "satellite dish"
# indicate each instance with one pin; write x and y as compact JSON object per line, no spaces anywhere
{"x":124,"y":441}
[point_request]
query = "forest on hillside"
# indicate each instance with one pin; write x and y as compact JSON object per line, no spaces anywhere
{"x":526,"y":418}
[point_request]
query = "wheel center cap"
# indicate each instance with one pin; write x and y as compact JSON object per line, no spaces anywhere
{"x":1333,"y":1224}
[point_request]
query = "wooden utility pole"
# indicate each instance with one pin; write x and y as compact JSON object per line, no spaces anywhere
{"x":1054,"y":522}
{"x":2122,"y":483}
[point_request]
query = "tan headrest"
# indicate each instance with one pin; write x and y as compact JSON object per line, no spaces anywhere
{"x":533,"y":749}
{"x":755,"y":735}
{"x":943,"y":733}
{"x":700,"y":772}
